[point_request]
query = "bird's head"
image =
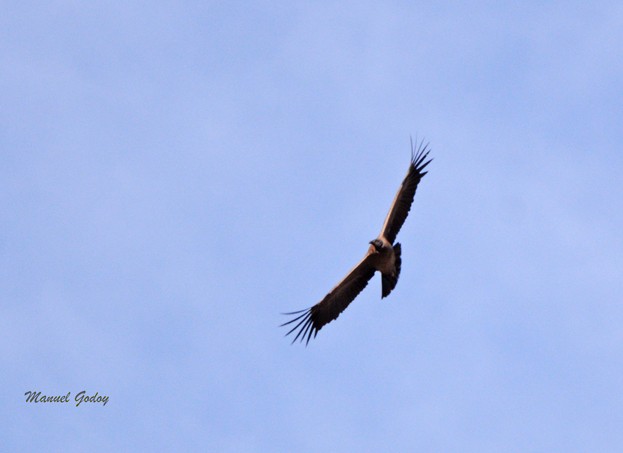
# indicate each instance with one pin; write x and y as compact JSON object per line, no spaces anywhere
{"x":378,"y":245}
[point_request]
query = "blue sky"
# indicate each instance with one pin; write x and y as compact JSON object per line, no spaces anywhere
{"x":174,"y":175}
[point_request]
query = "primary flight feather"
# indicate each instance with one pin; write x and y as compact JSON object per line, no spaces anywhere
{"x":382,"y":255}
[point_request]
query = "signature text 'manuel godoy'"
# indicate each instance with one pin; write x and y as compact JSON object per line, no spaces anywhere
{"x":81,"y":397}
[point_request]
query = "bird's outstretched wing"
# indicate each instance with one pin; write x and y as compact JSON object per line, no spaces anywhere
{"x":311,"y":320}
{"x":404,"y":198}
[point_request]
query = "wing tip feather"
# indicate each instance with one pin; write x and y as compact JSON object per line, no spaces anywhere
{"x":305,"y":326}
{"x":419,"y":153}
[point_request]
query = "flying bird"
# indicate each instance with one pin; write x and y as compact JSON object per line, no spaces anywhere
{"x":382,"y":255}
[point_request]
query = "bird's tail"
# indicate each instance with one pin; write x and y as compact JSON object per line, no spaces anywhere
{"x":389,"y":280}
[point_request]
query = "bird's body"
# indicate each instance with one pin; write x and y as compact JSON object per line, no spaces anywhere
{"x":385,"y":260}
{"x":382,"y":255}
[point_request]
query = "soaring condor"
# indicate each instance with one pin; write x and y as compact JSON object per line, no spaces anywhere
{"x":382,"y":255}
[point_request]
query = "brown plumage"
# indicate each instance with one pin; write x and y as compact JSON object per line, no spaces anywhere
{"x":382,"y":256}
